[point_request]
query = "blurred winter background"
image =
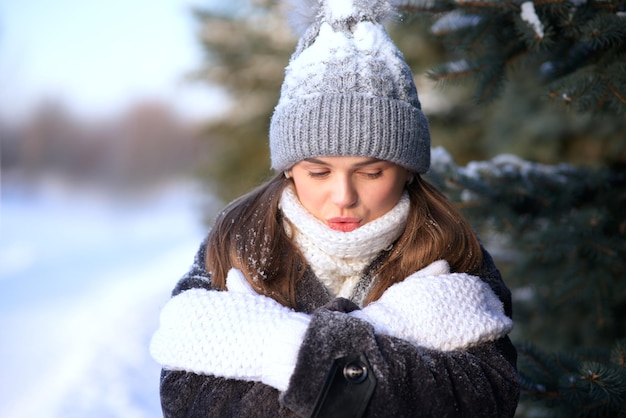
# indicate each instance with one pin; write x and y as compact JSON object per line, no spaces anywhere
{"x":99,"y":214}
{"x":116,"y":149}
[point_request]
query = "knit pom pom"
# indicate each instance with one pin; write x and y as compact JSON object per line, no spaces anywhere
{"x":303,"y":13}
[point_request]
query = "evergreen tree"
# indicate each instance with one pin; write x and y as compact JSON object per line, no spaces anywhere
{"x":247,"y":49}
{"x":587,"y":383}
{"x":564,"y":225}
{"x":576,"y":47}
{"x":559,"y":236}
{"x":534,"y":67}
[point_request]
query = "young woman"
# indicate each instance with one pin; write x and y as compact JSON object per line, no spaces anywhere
{"x":346,"y":285}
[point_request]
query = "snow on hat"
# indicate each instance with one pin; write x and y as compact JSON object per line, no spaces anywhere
{"x":348,"y":91}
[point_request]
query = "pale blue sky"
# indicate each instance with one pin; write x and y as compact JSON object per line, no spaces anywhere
{"x":98,"y":56}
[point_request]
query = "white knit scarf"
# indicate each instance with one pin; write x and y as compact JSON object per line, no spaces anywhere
{"x":339,"y":258}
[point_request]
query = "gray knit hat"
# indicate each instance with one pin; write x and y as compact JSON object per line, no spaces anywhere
{"x":348,"y":91}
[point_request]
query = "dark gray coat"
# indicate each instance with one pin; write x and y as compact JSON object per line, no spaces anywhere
{"x":407,"y":381}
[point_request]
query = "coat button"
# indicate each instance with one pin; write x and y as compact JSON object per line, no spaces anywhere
{"x":355,"y":372}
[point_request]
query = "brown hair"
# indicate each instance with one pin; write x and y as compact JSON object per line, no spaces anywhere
{"x":249,"y":235}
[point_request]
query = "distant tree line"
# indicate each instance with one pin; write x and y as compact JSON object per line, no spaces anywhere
{"x":147,"y":145}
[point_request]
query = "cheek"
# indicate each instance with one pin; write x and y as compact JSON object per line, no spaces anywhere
{"x":384,"y":199}
{"x":309,"y":196}
{"x":384,"y":203}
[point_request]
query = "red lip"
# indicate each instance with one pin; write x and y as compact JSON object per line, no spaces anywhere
{"x":343,"y":223}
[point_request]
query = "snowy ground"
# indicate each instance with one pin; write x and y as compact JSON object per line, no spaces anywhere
{"x":82,"y":279}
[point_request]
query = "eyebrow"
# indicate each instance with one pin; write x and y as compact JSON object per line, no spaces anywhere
{"x":361,"y":164}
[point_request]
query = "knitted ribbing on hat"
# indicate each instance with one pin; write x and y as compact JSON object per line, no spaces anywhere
{"x":338,"y":258}
{"x":348,"y":92}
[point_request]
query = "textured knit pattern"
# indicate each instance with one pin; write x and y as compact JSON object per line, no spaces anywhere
{"x":439,"y":311}
{"x":339,"y":258}
{"x":348,"y":92}
{"x":228,"y":334}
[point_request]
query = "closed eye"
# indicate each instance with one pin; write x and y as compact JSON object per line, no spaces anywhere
{"x":372,"y":175}
{"x":318,"y":174}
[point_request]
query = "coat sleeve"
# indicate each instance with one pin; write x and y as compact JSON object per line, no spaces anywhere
{"x":411,"y":381}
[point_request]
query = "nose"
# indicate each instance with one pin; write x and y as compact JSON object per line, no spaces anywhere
{"x":344,"y":192}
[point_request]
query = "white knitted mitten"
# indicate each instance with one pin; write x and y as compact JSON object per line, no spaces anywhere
{"x":237,"y":334}
{"x":436,"y":309}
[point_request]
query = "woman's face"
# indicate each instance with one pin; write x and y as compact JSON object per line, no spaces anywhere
{"x":348,"y":192}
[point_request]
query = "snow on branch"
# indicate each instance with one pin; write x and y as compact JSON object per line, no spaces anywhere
{"x":502,"y":166}
{"x":530,"y":16}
